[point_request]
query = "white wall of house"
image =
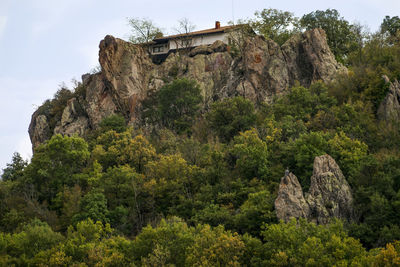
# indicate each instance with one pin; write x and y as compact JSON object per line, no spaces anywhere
{"x":199,"y":40}
{"x":173,"y":44}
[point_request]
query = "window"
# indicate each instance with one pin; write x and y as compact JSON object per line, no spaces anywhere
{"x":158,"y":49}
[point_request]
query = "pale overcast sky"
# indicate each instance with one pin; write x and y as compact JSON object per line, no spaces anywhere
{"x":46,"y":42}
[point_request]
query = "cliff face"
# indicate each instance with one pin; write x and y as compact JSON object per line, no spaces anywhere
{"x":128,"y":75}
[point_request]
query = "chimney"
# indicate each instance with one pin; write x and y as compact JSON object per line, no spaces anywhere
{"x":217,"y":25}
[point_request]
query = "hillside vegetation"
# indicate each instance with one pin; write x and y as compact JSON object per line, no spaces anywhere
{"x":195,"y":186}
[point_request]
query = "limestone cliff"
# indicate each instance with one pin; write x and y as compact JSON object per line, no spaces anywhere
{"x":329,"y":195}
{"x":128,"y":75}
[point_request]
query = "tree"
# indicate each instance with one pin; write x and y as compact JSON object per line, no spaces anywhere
{"x":299,"y":243}
{"x":230,"y":116}
{"x":184,"y":41}
{"x":275,"y":24}
{"x":93,"y":206}
{"x":179,"y":102}
{"x":115,"y":149}
{"x":390,"y":25}
{"x":172,"y":182}
{"x":33,"y":238}
{"x":255,"y":211}
{"x":114,"y":122}
{"x":251,"y":154}
{"x":143,"y":30}
{"x":14,"y":170}
{"x":215,"y":247}
{"x":337,"y":29}
{"x":168,"y":242}
{"x":57,"y":163}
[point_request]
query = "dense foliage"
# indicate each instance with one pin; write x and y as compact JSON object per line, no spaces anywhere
{"x":199,"y":189}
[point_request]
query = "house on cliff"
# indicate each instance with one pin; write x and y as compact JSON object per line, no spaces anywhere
{"x":164,"y":45}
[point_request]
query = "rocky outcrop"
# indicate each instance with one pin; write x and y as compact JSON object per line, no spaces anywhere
{"x":99,"y":102}
{"x":329,"y":195}
{"x":290,"y":201}
{"x":126,"y":69}
{"x":128,"y":74}
{"x":309,"y":58}
{"x":72,"y":122}
{"x":39,"y":130}
{"x":389,"y":109}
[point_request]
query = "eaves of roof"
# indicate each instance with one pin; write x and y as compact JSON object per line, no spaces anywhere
{"x":202,"y":32}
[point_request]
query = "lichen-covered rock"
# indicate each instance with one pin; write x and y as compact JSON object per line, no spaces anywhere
{"x":126,"y":70}
{"x":219,"y":46}
{"x":99,"y":102}
{"x":73,"y":120}
{"x":309,"y":58}
{"x":389,"y":109}
{"x":201,"y":50}
{"x":265,"y":68}
{"x":128,"y":74}
{"x":39,"y":130}
{"x":290,"y":202}
{"x":329,"y":195}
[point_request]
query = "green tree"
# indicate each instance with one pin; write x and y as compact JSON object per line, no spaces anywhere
{"x":390,"y":25}
{"x":251,"y":155}
{"x":179,"y":102}
{"x":302,"y":103}
{"x":57,"y":163}
{"x":93,"y":206}
{"x":172,"y":183}
{"x":255,"y":211}
{"x":14,"y":170}
{"x":33,"y":238}
{"x":348,"y":152}
{"x":114,"y":122}
{"x":113,"y":149}
{"x":302,"y":152}
{"x":143,"y":30}
{"x":215,"y":247}
{"x":230,"y":116}
{"x":337,"y":29}
{"x":129,"y":203}
{"x":306,"y":244}
{"x":275,"y":24}
{"x":168,"y":242}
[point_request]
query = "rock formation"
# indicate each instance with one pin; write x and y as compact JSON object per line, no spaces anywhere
{"x":128,"y":74}
{"x":389,"y":109}
{"x":329,"y":195}
{"x":290,"y":202}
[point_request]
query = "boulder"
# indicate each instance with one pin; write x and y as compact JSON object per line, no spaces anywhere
{"x":200,"y":50}
{"x":219,"y":46}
